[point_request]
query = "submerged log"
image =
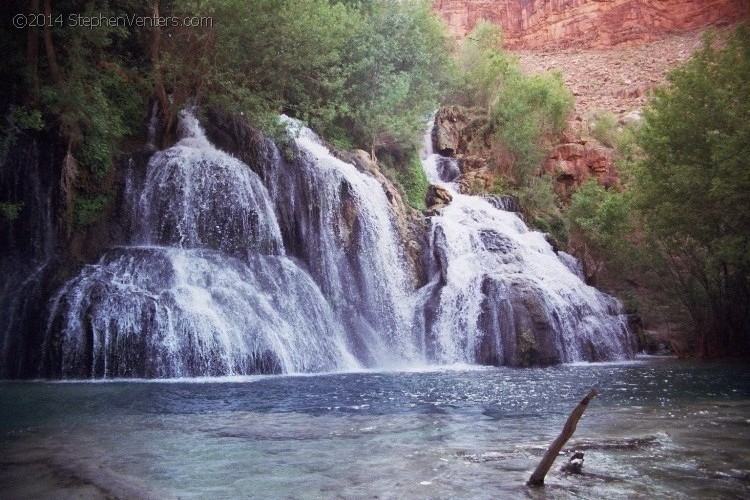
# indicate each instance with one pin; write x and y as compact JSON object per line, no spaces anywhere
{"x":537,"y":478}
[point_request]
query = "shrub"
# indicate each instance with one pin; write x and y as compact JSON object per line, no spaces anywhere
{"x":87,"y":209}
{"x":603,"y":128}
{"x":11,"y":211}
{"x":522,"y":110}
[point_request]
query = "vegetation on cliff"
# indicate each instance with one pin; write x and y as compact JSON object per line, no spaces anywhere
{"x":521,"y":111}
{"x":675,"y":229}
{"x":364,"y":75}
{"x":515,"y":117}
{"x":681,"y":219}
{"x":367,"y":75}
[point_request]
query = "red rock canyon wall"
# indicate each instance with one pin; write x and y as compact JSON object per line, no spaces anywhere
{"x":587,"y":23}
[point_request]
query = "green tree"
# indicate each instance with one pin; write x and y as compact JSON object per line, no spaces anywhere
{"x":602,"y":229}
{"x":398,"y":63}
{"x":521,"y":111}
{"x":362,"y":74}
{"x":692,"y":190}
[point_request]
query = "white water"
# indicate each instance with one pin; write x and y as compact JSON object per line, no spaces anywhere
{"x":209,"y":300}
{"x":345,"y":230}
{"x":168,"y":312}
{"x":196,"y":196}
{"x":503,"y":289}
{"x":303,"y":270}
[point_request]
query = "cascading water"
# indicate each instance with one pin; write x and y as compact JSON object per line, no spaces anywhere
{"x":501,"y":295}
{"x":341,"y":223}
{"x":303,"y":270}
{"x":171,"y":312}
{"x":220,"y":298}
{"x":197,"y":196}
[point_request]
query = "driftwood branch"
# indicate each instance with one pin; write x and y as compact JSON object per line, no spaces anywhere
{"x":537,"y":478}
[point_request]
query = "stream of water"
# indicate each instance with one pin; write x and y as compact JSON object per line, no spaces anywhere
{"x":659,"y":429}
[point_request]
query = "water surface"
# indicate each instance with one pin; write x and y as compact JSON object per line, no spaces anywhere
{"x":659,"y":428}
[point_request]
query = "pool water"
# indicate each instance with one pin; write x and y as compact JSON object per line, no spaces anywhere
{"x":660,"y":428}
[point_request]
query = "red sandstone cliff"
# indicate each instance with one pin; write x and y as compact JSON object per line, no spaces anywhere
{"x":587,"y":23}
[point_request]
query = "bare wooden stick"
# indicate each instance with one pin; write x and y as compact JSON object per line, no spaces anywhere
{"x":537,"y":478}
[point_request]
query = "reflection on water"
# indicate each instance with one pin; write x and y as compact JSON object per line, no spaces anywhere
{"x":660,"y":428}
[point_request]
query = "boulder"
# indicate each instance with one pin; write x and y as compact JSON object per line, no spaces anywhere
{"x":437,"y":195}
{"x":450,"y":122}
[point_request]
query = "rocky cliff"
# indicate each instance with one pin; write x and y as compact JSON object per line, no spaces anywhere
{"x":587,"y":23}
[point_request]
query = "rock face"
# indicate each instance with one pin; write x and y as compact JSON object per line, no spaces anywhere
{"x":575,"y":160}
{"x":587,"y":23}
{"x":464,"y":138}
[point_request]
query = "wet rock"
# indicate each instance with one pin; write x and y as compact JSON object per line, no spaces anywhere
{"x":437,"y":195}
{"x":448,"y":169}
{"x":504,"y":202}
{"x":574,"y":465}
{"x":495,"y":241}
{"x":449,"y":123}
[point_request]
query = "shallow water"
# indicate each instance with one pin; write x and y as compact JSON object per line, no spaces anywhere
{"x":660,"y":428}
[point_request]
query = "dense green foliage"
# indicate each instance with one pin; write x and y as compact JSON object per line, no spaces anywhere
{"x":602,"y":224}
{"x":522,"y":110}
{"x":362,"y":74}
{"x":95,"y":87}
{"x":683,"y":219}
{"x":693,"y":189}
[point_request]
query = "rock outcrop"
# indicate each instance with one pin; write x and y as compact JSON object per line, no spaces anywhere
{"x":587,"y":23}
{"x":575,"y":160}
{"x":463,"y":135}
{"x":571,"y":159}
{"x":437,"y":197}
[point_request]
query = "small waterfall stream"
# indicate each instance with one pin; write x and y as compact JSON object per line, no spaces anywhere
{"x":501,"y":295}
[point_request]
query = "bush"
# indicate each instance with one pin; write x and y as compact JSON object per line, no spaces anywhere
{"x":692,"y":190}
{"x":603,"y":128}
{"x":522,"y":111}
{"x":540,"y":203}
{"x":88,"y":209}
{"x":361,"y":74}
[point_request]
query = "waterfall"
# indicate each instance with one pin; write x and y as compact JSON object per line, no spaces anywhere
{"x":501,"y":295}
{"x":341,"y":223}
{"x":171,"y":312}
{"x":298,"y":265}
{"x":206,"y":288}
{"x":198,"y":196}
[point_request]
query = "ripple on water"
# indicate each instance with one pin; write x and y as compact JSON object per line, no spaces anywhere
{"x":429,"y":434}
